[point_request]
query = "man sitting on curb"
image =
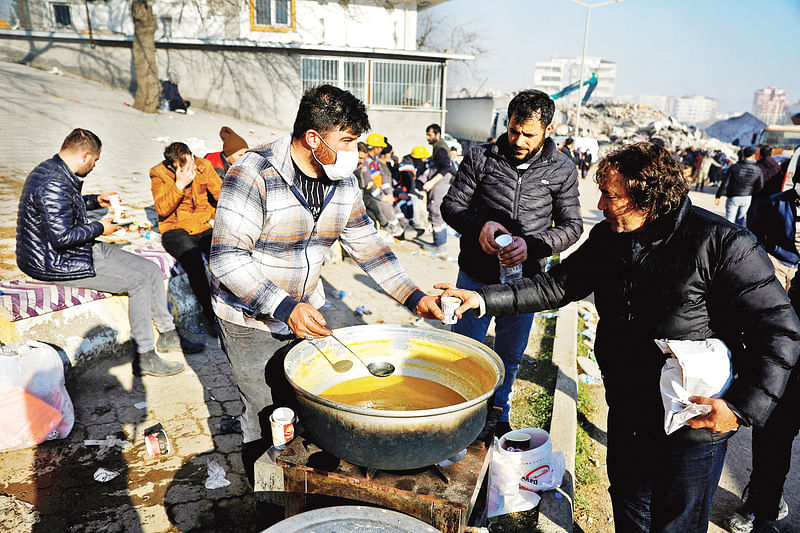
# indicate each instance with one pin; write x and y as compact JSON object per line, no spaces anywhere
{"x":233,"y":147}
{"x":56,"y":242}
{"x":181,"y":186}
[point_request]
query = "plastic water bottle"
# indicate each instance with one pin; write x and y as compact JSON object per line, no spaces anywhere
{"x":507,"y":274}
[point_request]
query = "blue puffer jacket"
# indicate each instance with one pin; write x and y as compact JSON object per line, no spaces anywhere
{"x":54,"y":235}
{"x":773,"y":221}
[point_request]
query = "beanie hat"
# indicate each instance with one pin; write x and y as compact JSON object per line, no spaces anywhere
{"x":231,"y":142}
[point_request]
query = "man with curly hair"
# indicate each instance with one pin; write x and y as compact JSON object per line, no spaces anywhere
{"x":661,"y":268}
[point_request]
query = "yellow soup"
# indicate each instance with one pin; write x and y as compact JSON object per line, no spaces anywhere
{"x":393,"y":393}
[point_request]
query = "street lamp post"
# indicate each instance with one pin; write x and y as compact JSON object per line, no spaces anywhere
{"x":583,"y":56}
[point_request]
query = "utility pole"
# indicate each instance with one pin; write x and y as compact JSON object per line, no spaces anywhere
{"x":583,"y":56}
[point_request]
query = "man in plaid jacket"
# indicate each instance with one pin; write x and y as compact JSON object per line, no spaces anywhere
{"x":281,"y":207}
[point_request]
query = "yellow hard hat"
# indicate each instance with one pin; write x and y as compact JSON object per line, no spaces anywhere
{"x":376,"y":139}
{"x":420,"y":152}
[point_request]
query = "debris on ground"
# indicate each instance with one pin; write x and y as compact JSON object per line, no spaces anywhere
{"x":104,"y":475}
{"x":216,"y":476}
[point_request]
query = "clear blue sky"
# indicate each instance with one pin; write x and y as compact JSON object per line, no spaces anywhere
{"x":723,"y":49}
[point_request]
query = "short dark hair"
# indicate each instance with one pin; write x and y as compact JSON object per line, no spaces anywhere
{"x":435,"y":128}
{"x":748,"y":151}
{"x":363,"y":148}
{"x":568,"y":141}
{"x":532,"y":104}
{"x":387,"y":148}
{"x":653,"y":177}
{"x":326,"y":108}
{"x":176,"y":153}
{"x":81,"y":139}
{"x":765,"y":151}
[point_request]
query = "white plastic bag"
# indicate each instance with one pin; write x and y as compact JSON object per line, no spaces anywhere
{"x":694,"y":368}
{"x":34,"y":403}
{"x":216,"y":476}
{"x":514,"y":477}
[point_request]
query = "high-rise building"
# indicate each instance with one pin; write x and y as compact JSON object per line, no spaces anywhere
{"x":552,"y":76}
{"x":768,"y":105}
{"x":655,"y":101}
{"x":693,"y":109}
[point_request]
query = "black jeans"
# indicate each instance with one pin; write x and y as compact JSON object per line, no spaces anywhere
{"x":772,"y":453}
{"x":188,"y":250}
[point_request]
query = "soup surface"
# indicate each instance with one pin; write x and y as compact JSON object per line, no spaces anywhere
{"x":393,"y":393}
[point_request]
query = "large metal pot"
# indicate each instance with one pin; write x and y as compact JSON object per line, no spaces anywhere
{"x":394,"y":440}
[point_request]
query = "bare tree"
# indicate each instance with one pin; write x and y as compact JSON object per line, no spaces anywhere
{"x":437,"y":34}
{"x":148,"y":88}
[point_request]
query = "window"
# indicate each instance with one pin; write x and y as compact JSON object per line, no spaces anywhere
{"x":61,"y":13}
{"x":378,"y":82}
{"x":349,"y":74}
{"x":406,"y":84}
{"x":272,"y":15}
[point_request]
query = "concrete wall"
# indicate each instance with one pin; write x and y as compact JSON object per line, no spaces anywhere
{"x":261,"y":85}
{"x":405,"y":129}
{"x":100,"y":327}
{"x":354,"y":23}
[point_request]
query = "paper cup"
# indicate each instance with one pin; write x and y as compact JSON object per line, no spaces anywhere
{"x":449,"y":306}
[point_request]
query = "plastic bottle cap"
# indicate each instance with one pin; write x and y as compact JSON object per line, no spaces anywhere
{"x":504,"y":240}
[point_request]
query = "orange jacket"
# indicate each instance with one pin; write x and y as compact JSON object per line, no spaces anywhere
{"x":189,"y":209}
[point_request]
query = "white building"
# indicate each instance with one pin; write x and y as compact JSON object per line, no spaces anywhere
{"x":552,"y":76}
{"x":693,"y":109}
{"x":655,"y":101}
{"x":768,"y":105}
{"x":249,"y":59}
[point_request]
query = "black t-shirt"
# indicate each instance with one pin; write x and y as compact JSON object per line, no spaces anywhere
{"x":314,"y":190}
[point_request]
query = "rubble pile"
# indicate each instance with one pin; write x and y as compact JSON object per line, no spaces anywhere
{"x":614,"y":124}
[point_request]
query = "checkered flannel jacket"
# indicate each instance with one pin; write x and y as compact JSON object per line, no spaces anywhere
{"x":267,"y":252}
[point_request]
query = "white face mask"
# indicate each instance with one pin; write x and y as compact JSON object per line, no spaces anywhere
{"x":797,"y":189}
{"x":343,"y":167}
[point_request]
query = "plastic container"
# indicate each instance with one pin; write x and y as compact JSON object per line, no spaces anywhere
{"x":507,"y":274}
{"x":282,"y":423}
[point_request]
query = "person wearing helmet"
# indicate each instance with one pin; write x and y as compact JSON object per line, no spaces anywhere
{"x":410,"y":169}
{"x":379,"y":186}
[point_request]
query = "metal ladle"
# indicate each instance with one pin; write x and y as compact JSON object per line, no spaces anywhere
{"x":380,"y":369}
{"x":338,"y":366}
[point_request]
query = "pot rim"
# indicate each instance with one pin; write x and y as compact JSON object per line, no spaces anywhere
{"x":343,"y":333}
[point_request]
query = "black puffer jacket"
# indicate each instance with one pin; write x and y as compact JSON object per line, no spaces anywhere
{"x":488,"y":187}
{"x":700,"y":277}
{"x":54,"y":236}
{"x":745,"y":178}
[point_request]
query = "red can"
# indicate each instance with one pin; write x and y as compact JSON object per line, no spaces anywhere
{"x":156,"y":441}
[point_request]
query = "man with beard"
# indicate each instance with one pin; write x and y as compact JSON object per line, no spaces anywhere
{"x":521,"y":186}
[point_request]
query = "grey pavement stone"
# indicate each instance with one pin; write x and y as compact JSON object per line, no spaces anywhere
{"x":193,"y":515}
{"x":185,"y":492}
{"x":233,"y":408}
{"x":226,"y":443}
{"x":224,"y":394}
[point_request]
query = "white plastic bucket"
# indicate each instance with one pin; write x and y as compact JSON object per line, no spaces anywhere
{"x":535,"y":464}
